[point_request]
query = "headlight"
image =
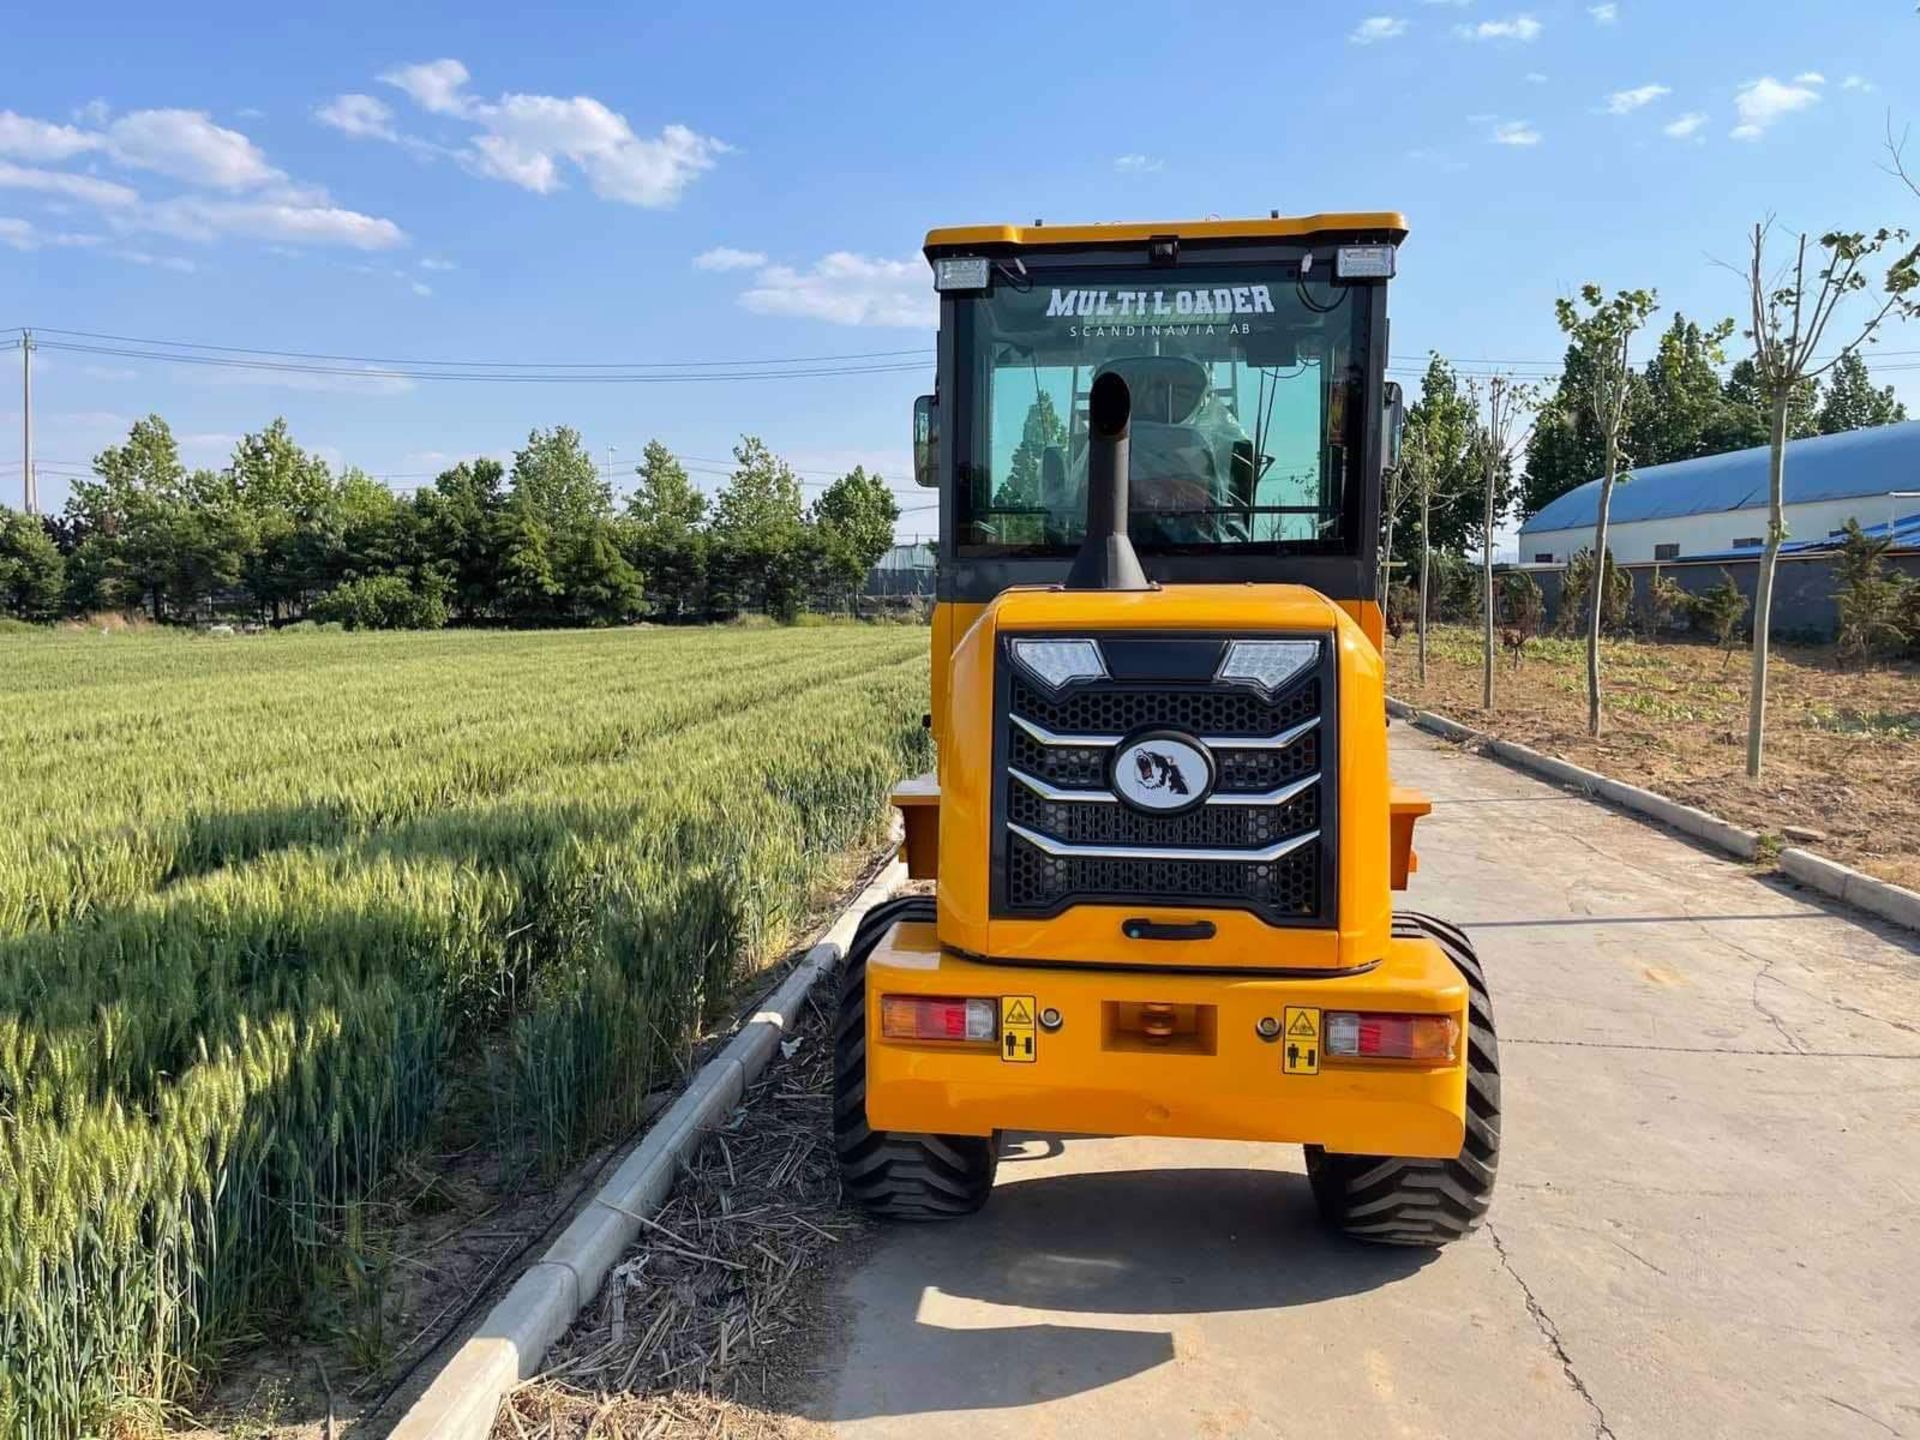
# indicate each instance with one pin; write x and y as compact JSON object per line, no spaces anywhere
{"x":1060,"y":662}
{"x":1269,"y":664}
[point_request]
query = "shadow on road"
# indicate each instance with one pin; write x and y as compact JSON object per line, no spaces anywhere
{"x":986,"y":1313}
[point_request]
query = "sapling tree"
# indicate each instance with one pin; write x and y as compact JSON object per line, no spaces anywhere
{"x":1604,"y":329}
{"x":1502,"y":437}
{"x":1792,"y":310}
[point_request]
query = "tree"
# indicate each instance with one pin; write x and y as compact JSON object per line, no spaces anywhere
{"x":1567,"y":448}
{"x":1792,"y":313}
{"x":1852,"y":403}
{"x":1025,"y":485}
{"x":854,"y":517}
{"x":1603,"y":332}
{"x":665,"y":513}
{"x":757,"y":525}
{"x":33,"y":579}
{"x":1448,"y":414}
{"x":1501,"y":439}
{"x":560,"y":558}
{"x":460,"y":529}
{"x":1872,"y":603}
{"x":1719,"y":610}
{"x":1683,"y":412}
{"x":282,"y":491}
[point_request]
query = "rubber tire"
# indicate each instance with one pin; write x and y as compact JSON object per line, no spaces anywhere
{"x":1390,"y":1200}
{"x":892,"y":1174}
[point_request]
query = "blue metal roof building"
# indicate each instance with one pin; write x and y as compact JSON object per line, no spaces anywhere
{"x":1716,"y":505}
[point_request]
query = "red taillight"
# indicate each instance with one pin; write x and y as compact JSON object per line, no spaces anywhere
{"x":920,"y":1017}
{"x":1369,"y":1035}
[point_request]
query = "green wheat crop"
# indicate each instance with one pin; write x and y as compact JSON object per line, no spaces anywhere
{"x":260,"y":897}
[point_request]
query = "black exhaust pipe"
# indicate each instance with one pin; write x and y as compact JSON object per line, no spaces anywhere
{"x":1106,"y":560}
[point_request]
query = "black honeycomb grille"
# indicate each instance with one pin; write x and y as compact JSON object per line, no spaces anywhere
{"x":1288,"y":888}
{"x":1211,"y":827}
{"x":1298,"y":888}
{"x":1119,"y":709}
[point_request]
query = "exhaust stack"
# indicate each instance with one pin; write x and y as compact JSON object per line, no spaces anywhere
{"x":1106,"y":560}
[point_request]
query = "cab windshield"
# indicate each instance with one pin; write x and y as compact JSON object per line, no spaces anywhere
{"x":1248,"y":387}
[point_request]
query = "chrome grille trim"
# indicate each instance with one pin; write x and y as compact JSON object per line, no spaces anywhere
{"x":1063,"y":850}
{"x":1212,"y":742}
{"x":1107,"y":797}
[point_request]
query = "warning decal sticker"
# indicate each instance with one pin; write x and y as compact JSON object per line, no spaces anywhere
{"x":1017,"y":1029}
{"x":1302,"y":1055}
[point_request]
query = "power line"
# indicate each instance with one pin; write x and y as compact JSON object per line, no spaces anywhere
{"x":495,"y":364}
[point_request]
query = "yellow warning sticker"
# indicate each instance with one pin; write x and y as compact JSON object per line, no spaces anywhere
{"x":1302,"y":1055}
{"x":1017,"y":1029}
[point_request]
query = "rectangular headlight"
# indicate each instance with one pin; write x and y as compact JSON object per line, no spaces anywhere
{"x":960,"y":272}
{"x":1269,"y":664}
{"x":1364,"y":262}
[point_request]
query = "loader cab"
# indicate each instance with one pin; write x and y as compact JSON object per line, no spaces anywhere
{"x":1255,"y":355}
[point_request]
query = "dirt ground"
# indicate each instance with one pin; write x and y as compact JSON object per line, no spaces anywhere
{"x":1843,"y":747}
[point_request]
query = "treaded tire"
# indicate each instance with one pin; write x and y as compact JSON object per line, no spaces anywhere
{"x":1396,"y":1201}
{"x":892,"y":1174}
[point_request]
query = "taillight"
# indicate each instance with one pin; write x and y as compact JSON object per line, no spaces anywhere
{"x":918,"y":1017}
{"x":1367,"y":1035}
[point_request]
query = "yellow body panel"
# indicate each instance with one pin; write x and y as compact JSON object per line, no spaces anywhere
{"x":1090,"y":934}
{"x":1085,"y":1078}
{"x":1284,"y":227}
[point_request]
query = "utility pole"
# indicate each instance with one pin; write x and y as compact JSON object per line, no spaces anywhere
{"x":32,"y":491}
{"x":610,"y":454}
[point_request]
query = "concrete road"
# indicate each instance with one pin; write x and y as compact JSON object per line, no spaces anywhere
{"x":1707,"y":1223}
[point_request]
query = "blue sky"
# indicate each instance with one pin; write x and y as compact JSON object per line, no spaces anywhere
{"x":715,"y":182}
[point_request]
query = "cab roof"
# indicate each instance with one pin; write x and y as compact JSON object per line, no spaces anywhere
{"x":1343,"y":222}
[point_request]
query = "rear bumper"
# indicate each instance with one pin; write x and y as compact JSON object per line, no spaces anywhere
{"x":1089,"y":1076}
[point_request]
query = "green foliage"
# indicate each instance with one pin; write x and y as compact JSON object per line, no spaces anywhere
{"x":755,"y":534}
{"x":1665,"y":601}
{"x":1874,"y":605}
{"x":1851,"y":401}
{"x":33,"y":574}
{"x":1720,"y":610}
{"x":243,"y":962}
{"x":381,"y":602}
{"x":669,"y":547}
{"x":854,"y":519}
{"x":1444,"y":423}
{"x":1576,"y":591}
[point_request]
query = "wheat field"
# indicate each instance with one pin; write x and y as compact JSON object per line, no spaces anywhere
{"x":260,"y":897}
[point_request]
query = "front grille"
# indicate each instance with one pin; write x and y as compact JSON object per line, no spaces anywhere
{"x":1062,"y":836}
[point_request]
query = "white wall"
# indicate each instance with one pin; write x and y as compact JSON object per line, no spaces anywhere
{"x":1710,"y":534}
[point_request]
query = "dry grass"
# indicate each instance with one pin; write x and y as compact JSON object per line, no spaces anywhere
{"x":707,"y":1326}
{"x":1843,"y":756}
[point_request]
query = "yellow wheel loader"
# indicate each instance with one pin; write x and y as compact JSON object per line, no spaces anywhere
{"x":1162,"y":832}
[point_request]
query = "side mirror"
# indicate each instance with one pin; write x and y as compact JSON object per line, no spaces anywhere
{"x":926,"y":442}
{"x":1395,"y":423}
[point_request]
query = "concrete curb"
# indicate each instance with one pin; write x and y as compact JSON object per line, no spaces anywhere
{"x":1843,"y":882}
{"x":1698,"y":824}
{"x":465,"y":1396}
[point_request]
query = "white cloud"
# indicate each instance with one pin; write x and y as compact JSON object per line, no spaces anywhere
{"x":428,"y":262}
{"x":725,"y":257}
{"x":1686,"y":127}
{"x":365,"y":117}
{"x":1761,"y":102}
{"x":187,"y":145}
{"x":1625,"y":102}
{"x":24,"y":235}
{"x":175,"y":263}
{"x":1515,"y":132}
{"x":1520,"y":27}
{"x":1534,"y":77}
{"x":434,"y":86}
{"x":847,"y":289}
{"x":1378,"y":27}
{"x":26,"y":138}
{"x":192,"y":217}
{"x":421,"y":288}
{"x":1604,"y":14}
{"x":94,"y":112}
{"x":89,"y":188}
{"x":524,"y":139}
{"x":1138,"y":164}
{"x":1809,"y":77}
{"x":1856,"y":82}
